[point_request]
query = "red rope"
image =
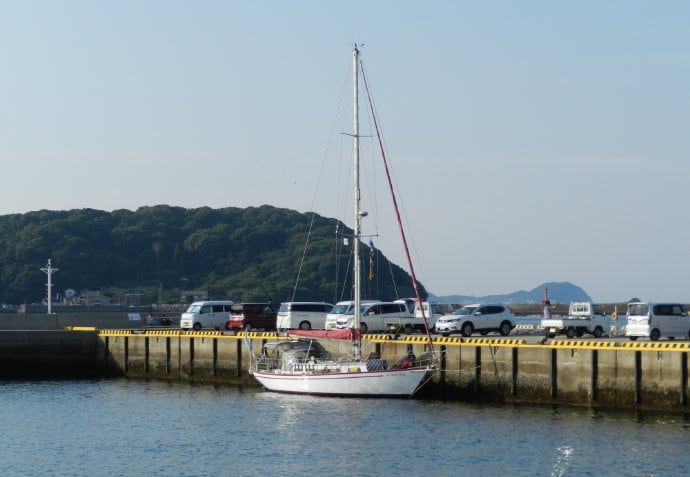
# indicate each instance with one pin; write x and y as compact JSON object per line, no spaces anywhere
{"x":395,"y":207}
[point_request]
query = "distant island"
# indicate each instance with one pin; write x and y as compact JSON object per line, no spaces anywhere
{"x":559,"y":292}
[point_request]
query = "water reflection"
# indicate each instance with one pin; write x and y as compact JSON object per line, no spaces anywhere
{"x":564,"y":461}
{"x":130,"y":427}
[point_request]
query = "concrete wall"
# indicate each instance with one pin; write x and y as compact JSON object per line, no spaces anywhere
{"x":649,"y":376}
{"x":101,"y":320}
{"x":628,"y":375}
{"x":48,"y":354}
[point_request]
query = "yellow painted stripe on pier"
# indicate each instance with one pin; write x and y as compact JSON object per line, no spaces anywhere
{"x":446,"y":339}
{"x":115,"y":332}
{"x":655,"y":345}
{"x":80,"y":328}
{"x":587,"y":344}
{"x":416,"y":339}
{"x":591,"y":344}
{"x":379,"y":337}
{"x":203,"y":333}
{"x":259,"y":334}
{"x":493,"y":341}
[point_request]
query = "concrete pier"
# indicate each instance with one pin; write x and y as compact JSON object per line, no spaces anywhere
{"x":584,"y":372}
{"x":49,"y":354}
{"x":639,"y":375}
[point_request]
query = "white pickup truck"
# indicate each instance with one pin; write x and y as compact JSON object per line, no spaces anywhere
{"x":583,"y":317}
{"x":432,"y":311}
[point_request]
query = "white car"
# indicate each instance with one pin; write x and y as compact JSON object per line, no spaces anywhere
{"x":481,"y":318}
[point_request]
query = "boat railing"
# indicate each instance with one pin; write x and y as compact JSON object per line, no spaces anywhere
{"x":304,"y":367}
{"x":311,"y":365}
{"x":266,"y":363}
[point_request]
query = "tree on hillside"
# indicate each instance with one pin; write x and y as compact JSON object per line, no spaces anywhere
{"x":239,"y":254}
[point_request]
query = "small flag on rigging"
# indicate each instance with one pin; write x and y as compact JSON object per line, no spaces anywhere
{"x":372,"y":251}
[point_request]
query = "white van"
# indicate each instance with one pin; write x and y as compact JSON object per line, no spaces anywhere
{"x":657,"y":320}
{"x":432,"y":311}
{"x":374,"y":316}
{"x":302,"y":315}
{"x":341,"y":308}
{"x":206,"y":314}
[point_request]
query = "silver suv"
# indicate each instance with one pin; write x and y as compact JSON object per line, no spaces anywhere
{"x":481,"y":318}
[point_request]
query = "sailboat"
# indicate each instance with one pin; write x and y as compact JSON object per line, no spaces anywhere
{"x":303,"y":366}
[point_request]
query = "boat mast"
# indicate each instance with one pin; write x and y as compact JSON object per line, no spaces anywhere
{"x":358,"y":216}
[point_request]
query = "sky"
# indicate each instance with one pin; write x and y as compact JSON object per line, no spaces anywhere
{"x":533,"y":141}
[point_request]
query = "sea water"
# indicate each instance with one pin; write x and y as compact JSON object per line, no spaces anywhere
{"x":136,"y":428}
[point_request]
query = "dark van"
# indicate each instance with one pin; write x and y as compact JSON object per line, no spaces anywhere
{"x":248,"y":316}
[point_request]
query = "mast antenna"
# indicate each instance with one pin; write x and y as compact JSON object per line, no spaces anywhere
{"x":49,"y":270}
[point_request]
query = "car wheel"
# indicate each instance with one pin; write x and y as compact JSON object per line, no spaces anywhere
{"x":408,"y":329}
{"x":227,"y":326}
{"x":655,"y":334}
{"x":197,"y":327}
{"x":446,"y":333}
{"x":305,"y":325}
{"x":598,"y":332}
{"x":467,"y":330}
{"x":505,"y":329}
{"x":363,"y":327}
{"x":633,"y":338}
{"x":570,"y":332}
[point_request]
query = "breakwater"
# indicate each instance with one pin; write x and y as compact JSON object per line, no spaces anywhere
{"x":38,"y":354}
{"x":614,"y":374}
{"x":634,"y":375}
{"x":586,"y":372}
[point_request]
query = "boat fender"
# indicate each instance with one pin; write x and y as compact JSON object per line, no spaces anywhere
{"x":614,"y":316}
{"x":354,"y":370}
{"x":377,"y":364}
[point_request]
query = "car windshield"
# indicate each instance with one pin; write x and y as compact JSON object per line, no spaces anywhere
{"x":639,"y":309}
{"x":194,"y":309}
{"x":362,"y":308}
{"x":465,"y":310}
{"x":340,"y":309}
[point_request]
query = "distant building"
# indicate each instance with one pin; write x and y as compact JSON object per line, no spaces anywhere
{"x":187,"y":296}
{"x":133,"y":298}
{"x":94,"y":298}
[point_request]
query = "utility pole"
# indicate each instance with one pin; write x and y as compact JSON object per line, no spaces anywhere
{"x":49,"y":270}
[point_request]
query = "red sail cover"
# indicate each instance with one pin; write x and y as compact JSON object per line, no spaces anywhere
{"x":339,"y":334}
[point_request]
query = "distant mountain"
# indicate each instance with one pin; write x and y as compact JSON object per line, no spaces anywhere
{"x":559,"y":292}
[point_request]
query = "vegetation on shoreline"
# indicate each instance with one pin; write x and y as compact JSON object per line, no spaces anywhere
{"x":233,"y":253}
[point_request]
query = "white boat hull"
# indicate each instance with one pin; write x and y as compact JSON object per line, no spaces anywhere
{"x":390,"y":383}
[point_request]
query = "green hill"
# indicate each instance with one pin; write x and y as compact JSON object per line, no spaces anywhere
{"x":238,"y":254}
